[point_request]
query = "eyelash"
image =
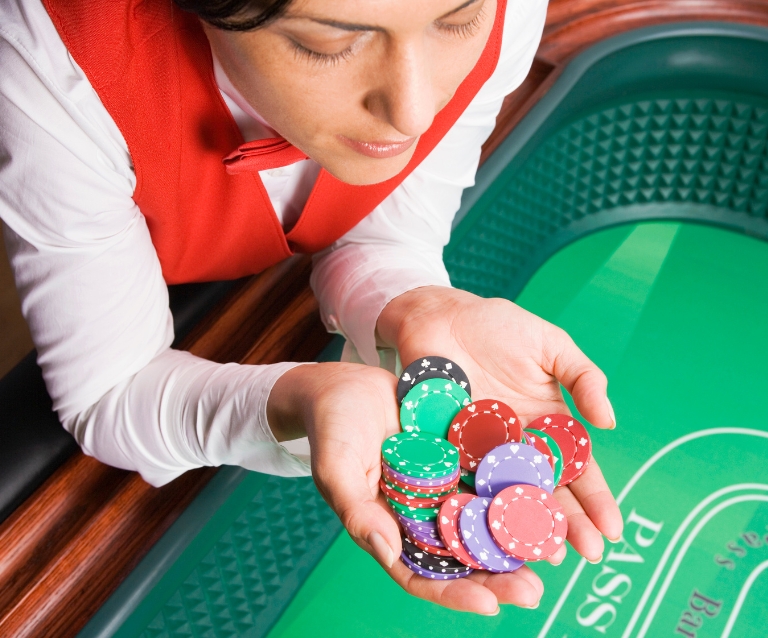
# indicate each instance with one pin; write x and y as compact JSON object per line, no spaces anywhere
{"x":466,"y":30}
{"x":322,"y":59}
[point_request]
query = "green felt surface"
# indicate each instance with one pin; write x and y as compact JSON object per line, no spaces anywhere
{"x":676,"y":315}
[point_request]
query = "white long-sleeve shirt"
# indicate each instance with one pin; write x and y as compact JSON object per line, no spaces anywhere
{"x":90,"y":280}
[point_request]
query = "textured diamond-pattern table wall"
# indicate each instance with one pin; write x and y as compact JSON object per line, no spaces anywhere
{"x":707,"y":151}
{"x":256,"y":564}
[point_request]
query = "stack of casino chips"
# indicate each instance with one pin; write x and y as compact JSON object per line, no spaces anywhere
{"x":504,"y":514}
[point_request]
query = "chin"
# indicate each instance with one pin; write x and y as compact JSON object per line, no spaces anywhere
{"x":364,"y":171}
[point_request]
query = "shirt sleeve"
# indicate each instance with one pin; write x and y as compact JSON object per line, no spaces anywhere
{"x":399,"y":246}
{"x":91,"y":285}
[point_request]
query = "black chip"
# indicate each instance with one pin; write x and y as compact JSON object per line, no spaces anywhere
{"x":431,"y":368}
{"x":433,"y":562}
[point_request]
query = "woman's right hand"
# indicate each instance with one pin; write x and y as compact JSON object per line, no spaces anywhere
{"x":347,"y":410}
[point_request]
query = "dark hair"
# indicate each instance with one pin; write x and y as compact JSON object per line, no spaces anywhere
{"x":236,"y":15}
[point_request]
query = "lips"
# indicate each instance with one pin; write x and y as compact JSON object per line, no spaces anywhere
{"x":379,"y":149}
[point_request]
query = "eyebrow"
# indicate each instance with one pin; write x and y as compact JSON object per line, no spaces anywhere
{"x":349,"y":26}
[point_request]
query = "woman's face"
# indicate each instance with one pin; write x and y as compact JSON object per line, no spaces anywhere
{"x":354,"y":84}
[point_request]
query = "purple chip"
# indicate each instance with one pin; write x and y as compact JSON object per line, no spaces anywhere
{"x":427,"y":539}
{"x":430,"y":574}
{"x":513,"y":464}
{"x":477,"y":539}
{"x":424,"y":527}
{"x":420,"y":482}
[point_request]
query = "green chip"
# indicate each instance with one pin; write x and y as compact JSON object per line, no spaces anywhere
{"x":431,"y":405}
{"x":557,"y":455}
{"x":468,"y":477}
{"x":422,"y":514}
{"x":418,"y":494}
{"x":420,"y":455}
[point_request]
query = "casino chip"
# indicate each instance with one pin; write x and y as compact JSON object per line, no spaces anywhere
{"x":448,"y":526}
{"x":478,"y":541}
{"x":426,"y":539}
{"x":423,"y":527}
{"x":510,"y":464}
{"x":431,"y":405}
{"x":432,"y":562}
{"x":403,"y":499}
{"x":431,"y":368}
{"x":415,"y":513}
{"x":420,"y":492}
{"x":426,"y":573}
{"x":573,"y":441}
{"x":420,"y":454}
{"x":430,"y":538}
{"x":468,"y":477}
{"x":527,"y":522}
{"x":482,"y":426}
{"x":446,"y":491}
{"x":394,"y":475}
{"x":430,"y":549}
{"x":547,"y":445}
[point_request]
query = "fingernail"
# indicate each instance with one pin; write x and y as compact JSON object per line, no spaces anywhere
{"x":560,"y":562}
{"x":381,"y":549}
{"x":613,"y":414}
{"x":595,"y":562}
{"x":536,"y":606}
{"x":614,"y":540}
{"x":495,"y":613}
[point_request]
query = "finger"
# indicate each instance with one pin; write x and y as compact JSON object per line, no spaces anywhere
{"x":463,"y":594}
{"x":582,"y":533}
{"x":522,"y":587}
{"x":355,"y":497}
{"x":558,"y":557}
{"x":595,"y":497}
{"x":481,"y":592}
{"x":583,"y":380}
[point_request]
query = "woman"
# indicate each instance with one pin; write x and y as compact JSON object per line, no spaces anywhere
{"x":153,"y":145}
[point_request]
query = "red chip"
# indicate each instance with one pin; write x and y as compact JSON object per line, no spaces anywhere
{"x":425,"y":491}
{"x":482,"y":426}
{"x":527,"y":522}
{"x":572,"y":439}
{"x":399,"y":497}
{"x":430,"y":549}
{"x":448,"y":527}
{"x":541,"y":446}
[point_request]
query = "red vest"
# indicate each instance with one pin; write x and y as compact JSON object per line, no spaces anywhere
{"x":150,"y":64}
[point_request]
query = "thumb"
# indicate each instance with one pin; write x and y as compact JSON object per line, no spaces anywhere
{"x":583,"y":380}
{"x":359,"y":504}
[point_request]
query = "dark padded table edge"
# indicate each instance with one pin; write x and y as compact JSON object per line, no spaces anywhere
{"x":32,"y":442}
{"x":173,"y":543}
{"x":191,"y":302}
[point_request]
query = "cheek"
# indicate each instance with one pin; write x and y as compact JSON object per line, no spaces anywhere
{"x":308,"y":105}
{"x":453,"y":63}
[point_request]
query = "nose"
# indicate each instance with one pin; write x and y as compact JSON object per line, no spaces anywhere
{"x":404,"y":96}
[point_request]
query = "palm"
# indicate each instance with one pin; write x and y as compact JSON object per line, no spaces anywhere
{"x":502,"y":350}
